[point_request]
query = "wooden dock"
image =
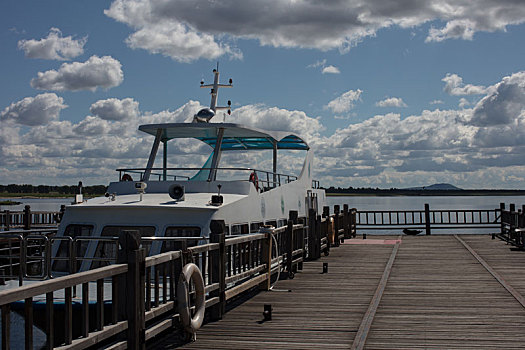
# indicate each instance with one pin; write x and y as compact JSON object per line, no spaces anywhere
{"x":423,"y":292}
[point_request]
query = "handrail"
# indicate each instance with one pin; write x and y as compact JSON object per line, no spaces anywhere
{"x":269,"y":178}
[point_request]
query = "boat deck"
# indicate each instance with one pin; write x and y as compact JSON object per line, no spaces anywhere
{"x":423,"y":292}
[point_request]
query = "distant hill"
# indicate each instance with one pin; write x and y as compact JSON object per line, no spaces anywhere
{"x":441,"y":187}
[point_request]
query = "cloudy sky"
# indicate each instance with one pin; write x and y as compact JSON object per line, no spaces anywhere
{"x":388,"y":93}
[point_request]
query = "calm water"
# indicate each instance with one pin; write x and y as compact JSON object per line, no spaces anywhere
{"x":37,"y":204}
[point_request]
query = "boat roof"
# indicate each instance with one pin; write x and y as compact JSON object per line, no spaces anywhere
{"x":236,"y":136}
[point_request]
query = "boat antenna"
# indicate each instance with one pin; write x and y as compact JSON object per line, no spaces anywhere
{"x":205,"y":114}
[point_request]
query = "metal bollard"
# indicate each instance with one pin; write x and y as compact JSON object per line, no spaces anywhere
{"x":325,"y":267}
{"x":364,"y":235}
{"x":267,"y":314}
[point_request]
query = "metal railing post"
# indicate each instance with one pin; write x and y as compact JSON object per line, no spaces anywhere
{"x":134,"y":287}
{"x":427,"y":218}
{"x":27,"y":217}
{"x":218,"y":268}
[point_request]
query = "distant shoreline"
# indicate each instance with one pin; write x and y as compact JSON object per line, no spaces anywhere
{"x":422,"y":193}
{"x":41,"y":195}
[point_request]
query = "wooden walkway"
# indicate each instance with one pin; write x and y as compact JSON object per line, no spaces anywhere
{"x":426,"y":292}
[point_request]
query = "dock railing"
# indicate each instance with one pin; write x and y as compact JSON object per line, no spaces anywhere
{"x":513,"y":225}
{"x":135,"y":299}
{"x":28,"y":219}
{"x":429,"y":220}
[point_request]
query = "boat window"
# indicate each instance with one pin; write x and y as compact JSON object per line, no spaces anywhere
{"x":180,"y":231}
{"x":254,"y":226}
{"x":61,"y":261}
{"x":271,"y":223}
{"x":282,"y":222}
{"x":106,"y":252}
{"x":240,"y":229}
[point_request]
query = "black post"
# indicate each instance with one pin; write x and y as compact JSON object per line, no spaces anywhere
{"x":353,"y":222}
{"x":346,"y":221}
{"x":513,"y":216}
{"x":7,"y":220}
{"x":336,"y":225}
{"x":27,"y":217}
{"x":312,"y":227}
{"x":427,"y":218}
{"x":293,"y":218}
{"x":289,"y":249}
{"x":324,"y":229}
{"x":133,"y":287}
{"x":218,"y":273}
{"x":501,"y":210}
{"x":318,"y":233}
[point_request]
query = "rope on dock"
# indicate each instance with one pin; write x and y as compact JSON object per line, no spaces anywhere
{"x":493,"y":272}
{"x":366,"y":322}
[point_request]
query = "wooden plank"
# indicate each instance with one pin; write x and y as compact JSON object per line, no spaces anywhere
{"x":364,"y":327}
{"x":95,"y":337}
{"x":493,"y":272}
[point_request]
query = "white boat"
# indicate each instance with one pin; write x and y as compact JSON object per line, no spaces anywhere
{"x":181,"y":202}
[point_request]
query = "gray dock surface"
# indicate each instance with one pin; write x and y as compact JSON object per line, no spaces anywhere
{"x":426,"y":292}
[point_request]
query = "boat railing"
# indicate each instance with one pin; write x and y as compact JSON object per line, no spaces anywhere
{"x":27,"y":255}
{"x":266,"y":179}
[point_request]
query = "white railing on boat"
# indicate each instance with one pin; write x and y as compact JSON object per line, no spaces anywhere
{"x":266,"y":179}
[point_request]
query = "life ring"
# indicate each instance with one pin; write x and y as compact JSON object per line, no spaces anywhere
{"x":191,"y":272}
{"x":126,"y":177}
{"x":255,"y":180}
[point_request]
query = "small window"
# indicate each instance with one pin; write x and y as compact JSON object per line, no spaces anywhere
{"x":254,"y":226}
{"x":282,"y":222}
{"x":271,"y":223}
{"x":173,"y":231}
{"x":73,"y":231}
{"x":240,"y":229}
{"x":107,"y":250}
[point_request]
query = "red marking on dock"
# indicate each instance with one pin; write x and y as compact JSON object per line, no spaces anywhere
{"x":372,"y":241}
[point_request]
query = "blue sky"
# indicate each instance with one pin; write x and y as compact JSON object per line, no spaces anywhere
{"x":389,"y":94}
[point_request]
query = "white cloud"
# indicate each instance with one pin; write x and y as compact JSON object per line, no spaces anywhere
{"x":177,"y":28}
{"x":180,"y":43}
{"x":391,"y":102}
{"x":504,"y":104}
{"x":436,"y":102}
{"x":317,"y":64}
{"x":53,"y":47}
{"x":345,"y":102}
{"x":463,"y":102}
{"x":278,"y":119}
{"x":330,"y":70}
{"x":456,"y":29}
{"x":480,"y":146}
{"x":454,"y":86}
{"x":32,"y":111}
{"x":96,"y":72}
{"x":115,"y":109}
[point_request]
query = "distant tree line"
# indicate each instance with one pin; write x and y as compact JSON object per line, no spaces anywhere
{"x":43,"y":189}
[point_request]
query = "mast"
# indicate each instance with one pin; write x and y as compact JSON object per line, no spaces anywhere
{"x":205,"y":114}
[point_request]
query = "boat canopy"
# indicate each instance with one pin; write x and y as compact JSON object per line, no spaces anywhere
{"x":235,"y":137}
